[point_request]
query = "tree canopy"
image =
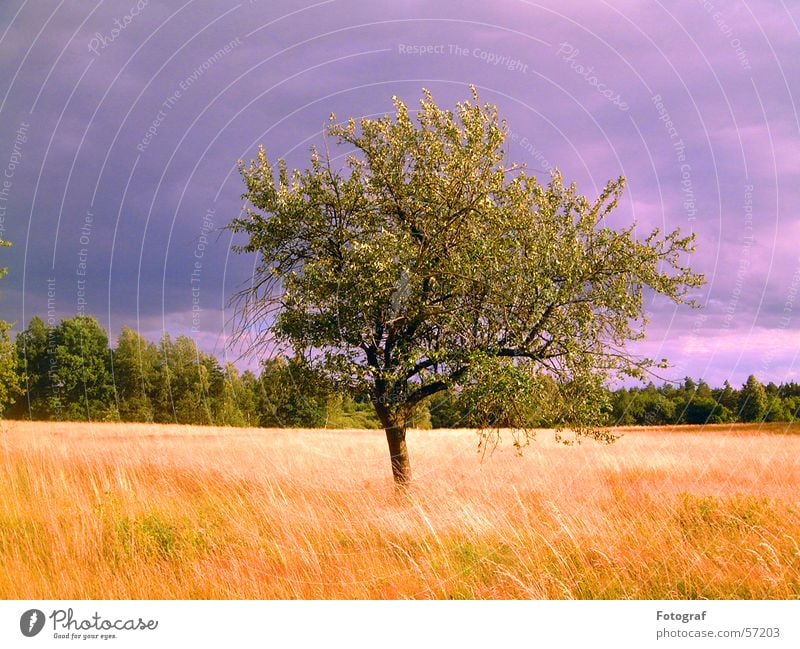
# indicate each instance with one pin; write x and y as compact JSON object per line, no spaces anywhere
{"x":427,"y":261}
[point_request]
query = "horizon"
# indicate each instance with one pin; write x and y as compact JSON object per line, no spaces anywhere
{"x":255,"y":365}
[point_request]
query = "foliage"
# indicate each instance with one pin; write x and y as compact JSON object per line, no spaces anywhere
{"x":429,"y":263}
{"x":136,"y":368}
{"x":33,"y":362}
{"x":237,"y":405}
{"x":176,"y":382}
{"x":147,"y":380}
{"x":9,"y":376}
{"x":290,"y":394}
{"x":66,"y":370}
{"x":10,"y":387}
{"x":82,"y":368}
{"x":344,"y":412}
{"x":193,"y":381}
{"x":704,"y":410}
{"x":697,"y":403}
{"x":654,"y":408}
{"x":754,"y":400}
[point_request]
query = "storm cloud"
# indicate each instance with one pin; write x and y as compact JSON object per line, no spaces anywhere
{"x":122,"y":124}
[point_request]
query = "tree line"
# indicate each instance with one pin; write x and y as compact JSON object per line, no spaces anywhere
{"x":695,"y":402}
{"x":71,"y":372}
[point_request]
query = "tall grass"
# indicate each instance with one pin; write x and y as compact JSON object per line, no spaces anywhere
{"x":138,"y":511}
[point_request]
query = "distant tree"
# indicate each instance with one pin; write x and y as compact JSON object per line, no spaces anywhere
{"x":212,"y":385}
{"x":793,"y":408}
{"x":81,"y":370}
{"x":668,"y":390}
{"x":727,"y":397}
{"x":236,"y":405}
{"x":651,"y":408}
{"x":177,"y":382}
{"x":777,"y":409}
{"x":430,"y":262}
{"x":247,"y":397}
{"x":790,"y":389}
{"x":10,"y":388}
{"x":703,"y":390}
{"x":190,"y":383}
{"x":162,"y":398}
{"x":419,"y":418}
{"x":290,"y":393}
{"x":445,"y":411}
{"x":40,"y":399}
{"x":753,"y":401}
{"x":343,"y":412}
{"x":136,"y":366}
{"x":704,"y":410}
{"x":622,"y":413}
{"x":65,"y":370}
{"x":9,"y":375}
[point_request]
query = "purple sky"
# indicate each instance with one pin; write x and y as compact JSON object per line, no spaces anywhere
{"x":138,"y":129}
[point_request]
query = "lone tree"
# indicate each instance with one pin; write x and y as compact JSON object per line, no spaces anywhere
{"x":425,"y":262}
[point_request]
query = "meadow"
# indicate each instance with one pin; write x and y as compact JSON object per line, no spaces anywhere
{"x":106,"y":511}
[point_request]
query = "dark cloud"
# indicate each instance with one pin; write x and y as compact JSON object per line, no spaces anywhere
{"x":137,"y":118}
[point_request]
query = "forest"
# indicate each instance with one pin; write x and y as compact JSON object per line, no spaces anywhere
{"x":71,"y":372}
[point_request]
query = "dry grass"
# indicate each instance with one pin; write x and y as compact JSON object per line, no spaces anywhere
{"x":136,"y":511}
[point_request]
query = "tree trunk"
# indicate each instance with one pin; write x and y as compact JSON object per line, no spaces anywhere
{"x":396,"y":436}
{"x":401,"y":467}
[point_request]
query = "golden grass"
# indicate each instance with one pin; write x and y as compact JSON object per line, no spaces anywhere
{"x":96,"y":511}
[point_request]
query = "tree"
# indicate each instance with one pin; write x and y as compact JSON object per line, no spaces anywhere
{"x":65,"y":370}
{"x":704,"y":410}
{"x":754,"y":401}
{"x":727,"y":397}
{"x":189,"y":384}
{"x":622,"y":408}
{"x":81,"y":369}
{"x":777,"y":409}
{"x":10,"y":387}
{"x":703,"y":391}
{"x":9,"y":376}
{"x":652,"y":408}
{"x":446,"y":411}
{"x":289,"y":393}
{"x":428,"y":262}
{"x":343,"y":412}
{"x":135,"y":365}
{"x":33,"y":360}
{"x":237,"y":402}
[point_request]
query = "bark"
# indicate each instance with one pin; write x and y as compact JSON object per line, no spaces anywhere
{"x":396,"y":437}
{"x":398,"y":452}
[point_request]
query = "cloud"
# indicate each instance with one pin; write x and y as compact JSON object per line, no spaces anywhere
{"x":727,"y":78}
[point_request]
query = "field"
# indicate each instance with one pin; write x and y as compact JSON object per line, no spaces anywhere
{"x":104,"y":511}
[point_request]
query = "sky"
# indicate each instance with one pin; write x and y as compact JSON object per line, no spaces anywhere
{"x":122,"y":123}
